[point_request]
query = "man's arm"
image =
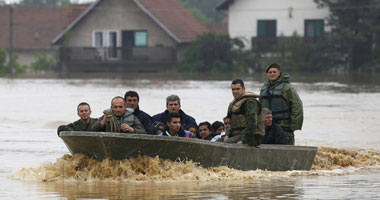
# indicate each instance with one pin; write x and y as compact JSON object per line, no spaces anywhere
{"x":97,"y":126}
{"x":251,"y":107}
{"x":139,"y":128}
{"x":296,"y":115}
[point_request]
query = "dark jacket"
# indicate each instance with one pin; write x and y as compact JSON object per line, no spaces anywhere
{"x":77,"y":126}
{"x":274,"y":135}
{"x":181,"y":133}
{"x":145,"y":119}
{"x":185,"y":119}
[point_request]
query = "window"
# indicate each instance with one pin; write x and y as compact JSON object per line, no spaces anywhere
{"x":266,"y":28}
{"x":141,"y":38}
{"x":98,"y":39}
{"x":314,"y":28}
{"x":134,"y":38}
{"x":105,"y":38}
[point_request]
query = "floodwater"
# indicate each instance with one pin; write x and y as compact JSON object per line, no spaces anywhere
{"x":342,"y":118}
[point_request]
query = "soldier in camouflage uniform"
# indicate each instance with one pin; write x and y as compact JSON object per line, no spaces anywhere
{"x":282,"y":99}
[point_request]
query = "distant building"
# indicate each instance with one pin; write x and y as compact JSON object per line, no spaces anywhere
{"x":127,"y":36}
{"x":34,"y":27}
{"x":260,"y":22}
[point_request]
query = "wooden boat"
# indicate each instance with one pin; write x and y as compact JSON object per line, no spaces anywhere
{"x":118,"y":146}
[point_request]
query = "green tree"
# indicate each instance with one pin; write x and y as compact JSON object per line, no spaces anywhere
{"x":217,"y":53}
{"x":43,"y":63}
{"x":45,"y":2}
{"x":3,"y":55}
{"x":355,"y":31}
{"x":298,"y":54}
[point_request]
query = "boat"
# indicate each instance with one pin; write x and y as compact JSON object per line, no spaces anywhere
{"x":118,"y":146}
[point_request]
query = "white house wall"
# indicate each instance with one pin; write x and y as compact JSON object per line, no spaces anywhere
{"x":243,"y":16}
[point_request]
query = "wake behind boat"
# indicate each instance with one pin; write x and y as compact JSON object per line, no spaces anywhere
{"x":118,"y":146}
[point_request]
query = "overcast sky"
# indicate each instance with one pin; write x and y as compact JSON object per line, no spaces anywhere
{"x":80,"y":1}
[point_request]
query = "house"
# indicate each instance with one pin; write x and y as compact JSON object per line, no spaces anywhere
{"x":260,"y":22}
{"x":33,"y":29}
{"x":126,"y":36}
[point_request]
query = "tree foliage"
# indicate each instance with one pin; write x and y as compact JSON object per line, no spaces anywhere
{"x":299,"y":54}
{"x":214,"y":52}
{"x":43,"y":63}
{"x":355,"y":30}
{"x":3,"y":55}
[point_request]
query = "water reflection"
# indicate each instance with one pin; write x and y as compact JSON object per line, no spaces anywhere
{"x":270,"y":188}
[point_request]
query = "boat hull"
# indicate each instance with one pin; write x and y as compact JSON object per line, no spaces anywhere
{"x":118,"y":146}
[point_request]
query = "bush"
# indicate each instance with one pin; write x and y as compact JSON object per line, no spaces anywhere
{"x":213,"y":52}
{"x":3,"y":55}
{"x":43,"y":63}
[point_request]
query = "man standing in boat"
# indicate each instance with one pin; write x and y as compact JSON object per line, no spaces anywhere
{"x":119,"y":119}
{"x":132,"y":100}
{"x":84,"y":123}
{"x":173,"y":105}
{"x":282,"y":99}
{"x":247,"y":120}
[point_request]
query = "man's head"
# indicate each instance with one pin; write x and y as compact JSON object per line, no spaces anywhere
{"x":173,"y":103}
{"x":84,"y":111}
{"x":118,"y":106}
{"x":131,"y":99}
{"x":174,"y":122}
{"x":273,"y":72}
{"x":268,"y":116}
{"x":237,"y":87}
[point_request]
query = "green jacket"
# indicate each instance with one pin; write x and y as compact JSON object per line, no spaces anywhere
{"x":77,"y":126}
{"x":282,"y":99}
{"x":246,"y":118}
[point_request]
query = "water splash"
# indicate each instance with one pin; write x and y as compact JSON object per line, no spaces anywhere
{"x":328,"y":158}
{"x":328,"y":161}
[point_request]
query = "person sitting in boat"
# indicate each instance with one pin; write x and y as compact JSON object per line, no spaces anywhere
{"x":119,"y":119}
{"x":227,"y":123}
{"x":193,"y":129}
{"x":205,"y":131}
{"x":218,"y":127}
{"x":132,"y":100}
{"x":173,"y":105}
{"x":247,"y":120}
{"x":273,"y":131}
{"x":84,"y":123}
{"x":174,"y":128}
{"x":159,"y":127}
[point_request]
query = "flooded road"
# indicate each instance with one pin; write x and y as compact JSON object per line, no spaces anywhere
{"x":341,"y":118}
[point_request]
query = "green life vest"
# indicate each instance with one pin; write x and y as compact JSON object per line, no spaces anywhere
{"x":271,"y":97}
{"x":238,"y":118}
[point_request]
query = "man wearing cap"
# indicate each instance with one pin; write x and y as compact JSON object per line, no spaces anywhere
{"x":278,"y":95}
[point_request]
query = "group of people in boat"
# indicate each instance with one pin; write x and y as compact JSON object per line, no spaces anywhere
{"x":269,"y":118}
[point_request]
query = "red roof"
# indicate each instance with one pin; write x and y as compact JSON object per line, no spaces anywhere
{"x":175,"y":18}
{"x":36,"y":26}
